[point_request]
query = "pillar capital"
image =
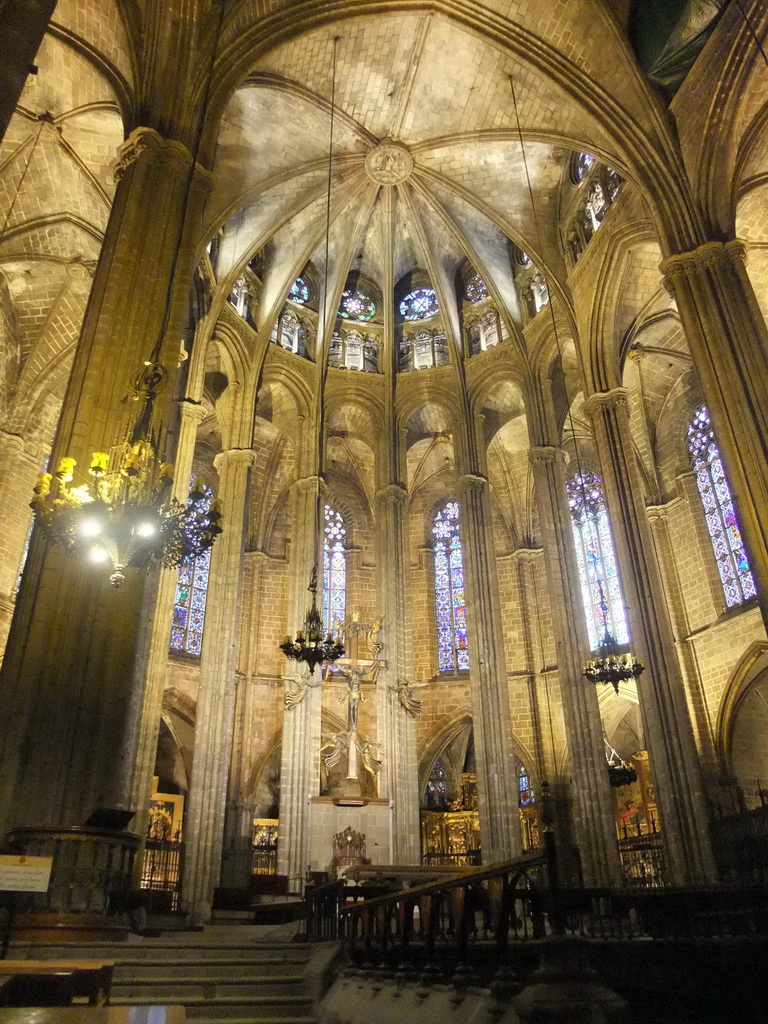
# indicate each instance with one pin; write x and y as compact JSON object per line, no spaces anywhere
{"x":547,"y":453}
{"x":471,"y":482}
{"x":235,"y":456}
{"x":309,"y":483}
{"x":11,"y":445}
{"x":192,"y":411}
{"x":616,"y":398}
{"x":395,"y":493}
{"x":144,"y":140}
{"x":711,"y":254}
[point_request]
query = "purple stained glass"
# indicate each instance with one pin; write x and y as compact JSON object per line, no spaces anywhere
{"x":191,"y":596}
{"x":419,"y":305}
{"x":720,"y":512}
{"x":334,"y":569}
{"x":450,"y":605}
{"x":596,"y":560}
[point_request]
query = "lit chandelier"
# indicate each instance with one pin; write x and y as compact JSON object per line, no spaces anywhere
{"x":612,"y":665}
{"x":311,"y":645}
{"x":126,"y":516}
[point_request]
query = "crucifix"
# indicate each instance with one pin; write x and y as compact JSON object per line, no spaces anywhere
{"x":361,"y":664}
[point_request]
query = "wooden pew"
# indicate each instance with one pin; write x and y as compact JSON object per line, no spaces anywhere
{"x":91,"y":978}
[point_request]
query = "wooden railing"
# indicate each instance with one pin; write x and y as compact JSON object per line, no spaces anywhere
{"x":463,"y":929}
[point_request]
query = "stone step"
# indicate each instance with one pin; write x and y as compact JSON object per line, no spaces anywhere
{"x":273,"y":1007}
{"x":245,"y":968}
{"x":161,"y":951}
{"x":180,"y":990}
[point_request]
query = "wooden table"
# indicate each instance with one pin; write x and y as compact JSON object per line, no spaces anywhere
{"x":92,"y":978}
{"x":94,"y":1015}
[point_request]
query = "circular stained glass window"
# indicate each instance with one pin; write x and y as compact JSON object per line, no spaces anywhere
{"x":419,"y":304}
{"x":523,"y":258}
{"x":476,"y":289}
{"x":299,"y":291}
{"x":356,"y":306}
{"x":581,"y":164}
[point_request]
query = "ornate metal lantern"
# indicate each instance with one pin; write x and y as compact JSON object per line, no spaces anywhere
{"x":611,"y":665}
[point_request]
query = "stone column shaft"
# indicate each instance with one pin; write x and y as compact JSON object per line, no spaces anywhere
{"x":300,"y":756}
{"x":215,"y":705}
{"x":665,"y":714}
{"x":151,"y":697}
{"x":595,"y":825}
{"x":728,"y":338}
{"x":489,"y":690}
{"x":76,"y":648}
{"x":397,"y":727}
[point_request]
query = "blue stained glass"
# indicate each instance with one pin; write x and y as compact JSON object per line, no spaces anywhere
{"x":524,"y":789}
{"x":419,"y":305}
{"x":299,"y":292}
{"x":720,"y":512}
{"x":596,"y":560}
{"x":334,"y":569}
{"x":191,"y":596}
{"x":450,"y":606}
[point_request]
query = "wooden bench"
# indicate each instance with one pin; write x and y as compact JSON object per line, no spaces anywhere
{"x":92,"y":979}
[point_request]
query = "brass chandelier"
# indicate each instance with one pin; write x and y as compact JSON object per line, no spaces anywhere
{"x":125,"y":516}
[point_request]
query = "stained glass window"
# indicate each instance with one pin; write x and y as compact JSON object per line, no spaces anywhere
{"x":581,"y":165}
{"x":334,"y":568}
{"x":476,"y":289}
{"x":727,"y":544}
{"x":356,"y":306}
{"x":191,"y":596}
{"x":523,"y":258}
{"x":525,"y":793}
{"x":451,"y":609}
{"x":596,"y":561}
{"x":436,"y":795}
{"x":419,"y":305}
{"x":299,"y":291}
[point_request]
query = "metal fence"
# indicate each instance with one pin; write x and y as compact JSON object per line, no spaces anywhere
{"x":740,"y":846}
{"x":162,"y":872}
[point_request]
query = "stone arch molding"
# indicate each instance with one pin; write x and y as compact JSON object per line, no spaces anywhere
{"x":751,"y":670}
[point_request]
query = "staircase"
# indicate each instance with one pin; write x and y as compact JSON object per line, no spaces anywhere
{"x":220,"y":975}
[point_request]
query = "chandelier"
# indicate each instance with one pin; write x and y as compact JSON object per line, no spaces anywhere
{"x":311,"y":645}
{"x":125,"y":516}
{"x":620,"y":773}
{"x":612,"y":665}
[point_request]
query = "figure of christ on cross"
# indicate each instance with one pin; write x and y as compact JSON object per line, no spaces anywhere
{"x":356,"y":669}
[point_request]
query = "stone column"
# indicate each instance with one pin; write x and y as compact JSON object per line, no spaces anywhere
{"x":397,"y":727}
{"x":151,"y":696}
{"x":489,"y":690}
{"x":300,"y":756}
{"x":665,"y":714}
{"x":728,"y":338}
{"x":75,"y":650}
{"x":216,"y":699}
{"x":22,"y":27}
{"x":594,"y":819}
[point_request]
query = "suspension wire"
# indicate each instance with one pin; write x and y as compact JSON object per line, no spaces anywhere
{"x":751,"y":28}
{"x":569,"y":412}
{"x":323,"y":325}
